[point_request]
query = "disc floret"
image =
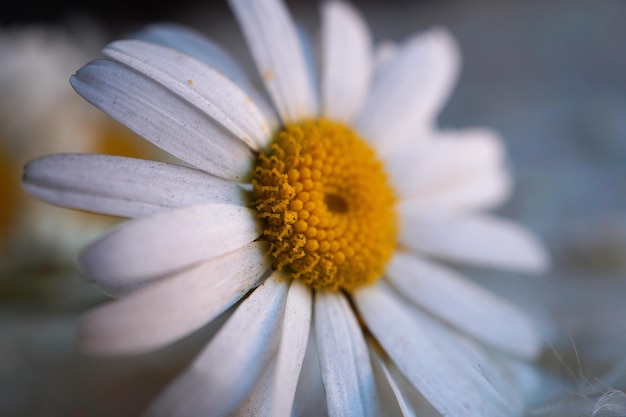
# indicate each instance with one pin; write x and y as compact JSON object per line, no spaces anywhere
{"x":326,"y":205}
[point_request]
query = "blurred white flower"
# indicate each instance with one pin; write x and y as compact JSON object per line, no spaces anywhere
{"x":41,"y":114}
{"x":288,"y":218}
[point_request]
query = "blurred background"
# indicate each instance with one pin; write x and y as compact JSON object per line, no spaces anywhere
{"x":549,"y":75}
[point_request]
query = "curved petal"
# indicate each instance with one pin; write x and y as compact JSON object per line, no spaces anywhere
{"x":175,"y":307}
{"x":409,"y":92}
{"x":482,"y":190}
{"x":275,"y":46}
{"x":202,"y":86}
{"x":229,"y":367}
{"x":167,"y":242}
{"x":417,"y":355}
{"x":474,"y":239}
{"x":463,"y":169}
{"x":346,"y":62}
{"x":441,"y":151}
{"x":164,"y":118}
{"x":344,"y":360}
{"x":125,"y":187}
{"x":293,"y":343}
{"x":466,"y":306}
{"x":198,"y":46}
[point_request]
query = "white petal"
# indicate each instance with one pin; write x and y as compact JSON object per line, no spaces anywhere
{"x":408,"y":94}
{"x":310,"y":51}
{"x":202,"y":86}
{"x":257,"y":403}
{"x":346,"y":62}
{"x":383,"y":376}
{"x":344,"y":359}
{"x":474,"y":239}
{"x":174,"y":307}
{"x":460,"y":170}
{"x":293,"y":343}
{"x":194,"y":44}
{"x":464,"y":305}
{"x":167,"y":242}
{"x":417,"y":356}
{"x":481,"y":190}
{"x":227,"y":369}
{"x":125,"y":187}
{"x":275,"y":46}
{"x":479,"y":367}
{"x":164,"y":118}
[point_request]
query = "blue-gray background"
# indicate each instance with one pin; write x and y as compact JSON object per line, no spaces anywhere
{"x":550,"y":76}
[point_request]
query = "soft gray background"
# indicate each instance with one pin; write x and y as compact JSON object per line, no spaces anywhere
{"x":550,"y":76}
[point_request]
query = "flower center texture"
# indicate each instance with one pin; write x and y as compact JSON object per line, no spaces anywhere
{"x":326,"y":205}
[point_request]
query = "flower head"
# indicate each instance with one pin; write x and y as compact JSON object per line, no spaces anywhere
{"x":313,"y":213}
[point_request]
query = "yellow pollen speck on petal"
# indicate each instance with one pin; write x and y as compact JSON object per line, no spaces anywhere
{"x":267,"y":75}
{"x":326,"y":205}
{"x":190,"y":82}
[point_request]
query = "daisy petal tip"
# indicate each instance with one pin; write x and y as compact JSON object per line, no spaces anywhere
{"x":342,"y":6}
{"x":532,"y":256}
{"x":91,"y":263}
{"x":86,"y":261}
{"x":347,"y":13}
{"x":91,"y":340}
{"x":530,"y":343}
{"x":43,"y":166}
{"x":534,"y":347}
{"x":537,"y":260}
{"x":75,"y":82}
{"x":446,"y":47}
{"x":30,"y":172}
{"x":81,"y":81}
{"x":445,"y":40}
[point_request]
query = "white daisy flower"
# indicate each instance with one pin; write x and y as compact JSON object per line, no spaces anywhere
{"x":315,"y":213}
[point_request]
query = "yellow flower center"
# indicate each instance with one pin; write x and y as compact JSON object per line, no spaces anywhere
{"x":326,"y":205}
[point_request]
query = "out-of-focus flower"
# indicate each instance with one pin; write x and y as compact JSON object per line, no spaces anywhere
{"x":322,"y":217}
{"x":41,"y":114}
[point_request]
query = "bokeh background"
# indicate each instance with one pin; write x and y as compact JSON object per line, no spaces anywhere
{"x":549,"y":75}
